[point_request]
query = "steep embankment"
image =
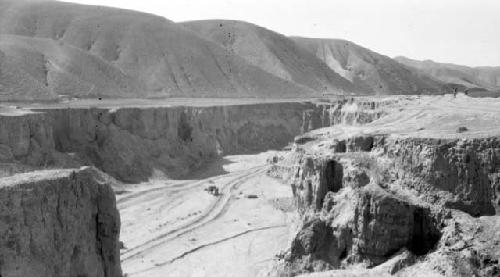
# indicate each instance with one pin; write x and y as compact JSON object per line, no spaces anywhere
{"x":469,"y":77}
{"x":398,"y":195}
{"x":272,"y":52}
{"x":48,"y":49}
{"x":58,"y":223}
{"x":133,"y":144}
{"x":370,"y":70}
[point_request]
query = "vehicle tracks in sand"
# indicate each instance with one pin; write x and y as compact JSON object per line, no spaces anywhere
{"x":214,"y":211}
{"x":199,"y":247}
{"x":188,"y":184}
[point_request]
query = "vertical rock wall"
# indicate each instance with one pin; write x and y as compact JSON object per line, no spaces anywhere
{"x":457,"y":173}
{"x":383,"y":195}
{"x":132,"y":144}
{"x":58,"y":223}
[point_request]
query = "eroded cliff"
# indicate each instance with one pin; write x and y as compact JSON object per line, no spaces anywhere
{"x":389,"y":186}
{"x":134,"y":144}
{"x":391,"y":198}
{"x":58,"y":223}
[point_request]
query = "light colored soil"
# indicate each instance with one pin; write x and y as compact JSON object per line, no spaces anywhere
{"x":428,"y":117}
{"x":176,"y":228}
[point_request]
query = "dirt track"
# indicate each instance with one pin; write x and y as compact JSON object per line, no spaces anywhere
{"x":168,"y":227}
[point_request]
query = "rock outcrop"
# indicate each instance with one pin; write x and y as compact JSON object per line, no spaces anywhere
{"x":387,"y":202}
{"x":457,"y":173}
{"x":365,"y":204}
{"x":365,"y":225}
{"x":346,"y":111}
{"x":58,"y":223}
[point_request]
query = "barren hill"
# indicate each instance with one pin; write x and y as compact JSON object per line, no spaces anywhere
{"x":54,"y":48}
{"x":470,"y":77}
{"x":369,"y":69}
{"x":273,"y":52}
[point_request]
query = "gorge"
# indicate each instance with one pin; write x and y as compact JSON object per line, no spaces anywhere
{"x":352,"y":185}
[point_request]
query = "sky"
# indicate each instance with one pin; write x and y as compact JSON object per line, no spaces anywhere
{"x":455,"y":31}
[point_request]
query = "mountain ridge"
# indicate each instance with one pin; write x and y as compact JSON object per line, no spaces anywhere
{"x":271,"y":51}
{"x":53,"y":50}
{"x":485,"y":77}
{"x":157,"y":57}
{"x":370,"y":69}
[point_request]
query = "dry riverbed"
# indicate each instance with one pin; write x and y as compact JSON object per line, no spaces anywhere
{"x":175,"y":227}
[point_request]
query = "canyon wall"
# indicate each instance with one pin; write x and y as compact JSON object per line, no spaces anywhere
{"x":134,"y":144}
{"x":390,"y":203}
{"x":378,"y":197}
{"x":350,"y":215}
{"x":455,"y":173}
{"x":367,"y":197}
{"x":58,"y":223}
{"x":348,"y":111}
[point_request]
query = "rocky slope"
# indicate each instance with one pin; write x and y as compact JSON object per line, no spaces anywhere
{"x":58,"y":223}
{"x":272,"y":52}
{"x":369,"y":70}
{"x":50,"y":49}
{"x":391,"y":197}
{"x":469,"y":77}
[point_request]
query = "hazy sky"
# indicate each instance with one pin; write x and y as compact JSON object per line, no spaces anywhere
{"x":458,"y":31}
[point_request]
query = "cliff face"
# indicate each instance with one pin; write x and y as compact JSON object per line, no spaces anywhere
{"x":349,"y":217}
{"x":457,"y":173}
{"x":365,"y":225}
{"x":344,"y":111}
{"x":58,"y":223}
{"x":132,"y":144}
{"x":379,"y":199}
{"x":25,"y":138}
{"x":368,"y":201}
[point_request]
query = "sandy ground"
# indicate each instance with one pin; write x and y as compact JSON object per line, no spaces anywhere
{"x":175,"y":228}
